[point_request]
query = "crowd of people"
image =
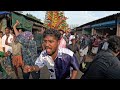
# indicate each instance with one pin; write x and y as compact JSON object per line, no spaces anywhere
{"x":64,"y":54}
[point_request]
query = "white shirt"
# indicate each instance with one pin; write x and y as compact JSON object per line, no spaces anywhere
{"x":10,"y":39}
{"x":47,"y":60}
{"x":70,"y":38}
{"x":1,"y":48}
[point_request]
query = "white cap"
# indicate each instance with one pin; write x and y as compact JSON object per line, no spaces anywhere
{"x":72,"y":37}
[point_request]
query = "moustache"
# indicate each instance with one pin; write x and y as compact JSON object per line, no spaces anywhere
{"x":47,"y":48}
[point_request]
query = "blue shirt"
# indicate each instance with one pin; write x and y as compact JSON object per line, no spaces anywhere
{"x":60,"y":67}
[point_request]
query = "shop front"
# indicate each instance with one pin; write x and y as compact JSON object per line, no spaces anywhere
{"x":109,"y":27}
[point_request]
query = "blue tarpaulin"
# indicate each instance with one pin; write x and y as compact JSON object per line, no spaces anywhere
{"x":109,"y":23}
{"x":4,"y":12}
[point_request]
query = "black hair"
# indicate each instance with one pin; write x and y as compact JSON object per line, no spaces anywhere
{"x":72,"y":32}
{"x":51,"y":32}
{"x":9,"y":28}
{"x":22,"y":29}
{"x":114,"y":43}
{"x":61,"y":30}
{"x":1,"y":32}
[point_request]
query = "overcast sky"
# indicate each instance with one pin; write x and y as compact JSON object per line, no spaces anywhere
{"x":76,"y":18}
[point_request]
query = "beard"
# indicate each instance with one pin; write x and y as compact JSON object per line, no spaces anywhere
{"x":50,"y":52}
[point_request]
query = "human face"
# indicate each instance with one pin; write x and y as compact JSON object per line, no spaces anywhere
{"x":7,"y":31}
{"x":51,"y":44}
{"x":73,"y":41}
{"x":61,"y":32}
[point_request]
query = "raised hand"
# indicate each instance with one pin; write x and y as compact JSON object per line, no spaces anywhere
{"x":17,"y":23}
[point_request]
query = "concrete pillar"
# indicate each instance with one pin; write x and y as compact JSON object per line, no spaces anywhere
{"x":93,"y":31}
{"x":118,"y":27}
{"x":118,"y":30}
{"x":82,"y":31}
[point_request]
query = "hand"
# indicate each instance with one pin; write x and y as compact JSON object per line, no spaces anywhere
{"x":27,"y":69}
{"x":17,"y":23}
{"x":6,"y":54}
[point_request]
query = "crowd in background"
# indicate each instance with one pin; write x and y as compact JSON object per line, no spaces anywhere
{"x":19,"y":48}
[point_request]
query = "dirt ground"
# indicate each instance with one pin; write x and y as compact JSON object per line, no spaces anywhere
{"x":44,"y":74}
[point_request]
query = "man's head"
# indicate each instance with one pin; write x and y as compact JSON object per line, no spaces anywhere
{"x":7,"y":30}
{"x":67,"y":33}
{"x":51,"y":40}
{"x":61,"y":32}
{"x":72,"y":33}
{"x":114,"y":43}
{"x":73,"y":40}
{"x":1,"y":34}
{"x":20,"y":30}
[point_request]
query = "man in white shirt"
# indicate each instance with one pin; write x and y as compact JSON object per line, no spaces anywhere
{"x":10,"y":38}
{"x":7,"y":48}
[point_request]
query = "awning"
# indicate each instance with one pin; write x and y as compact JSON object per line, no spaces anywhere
{"x":37,"y":24}
{"x":104,"y":24}
{"x":4,"y":12}
{"x":118,"y":21}
{"x":88,"y":26}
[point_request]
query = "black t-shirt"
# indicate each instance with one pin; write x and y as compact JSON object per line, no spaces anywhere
{"x":104,"y":66}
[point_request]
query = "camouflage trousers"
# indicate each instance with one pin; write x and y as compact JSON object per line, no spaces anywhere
{"x":6,"y":67}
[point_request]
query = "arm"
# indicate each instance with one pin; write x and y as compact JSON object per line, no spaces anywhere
{"x":3,"y":43}
{"x":14,"y":28}
{"x":74,"y":74}
{"x":28,"y":68}
{"x":38,"y":65}
{"x":75,"y":66}
{"x":20,"y":38}
{"x":78,"y":49}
